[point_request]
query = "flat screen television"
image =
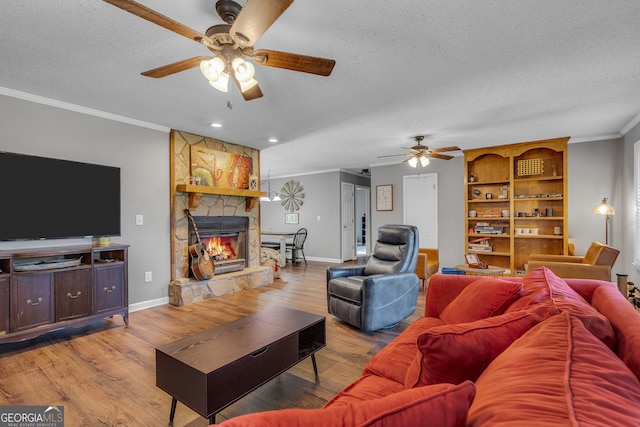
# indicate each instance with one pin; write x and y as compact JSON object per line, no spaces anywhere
{"x":44,"y":198}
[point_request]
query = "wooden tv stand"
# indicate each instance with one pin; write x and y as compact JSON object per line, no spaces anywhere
{"x":43,"y":289}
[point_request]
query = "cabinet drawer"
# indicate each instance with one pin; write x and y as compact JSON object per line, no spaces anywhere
{"x":72,"y":293}
{"x":236,"y":379}
{"x":109,"y":287}
{"x":33,"y":300}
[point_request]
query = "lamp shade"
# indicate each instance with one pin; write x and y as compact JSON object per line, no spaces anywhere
{"x":424,"y":161}
{"x":245,"y":86}
{"x":213,"y":70}
{"x":413,"y":162}
{"x":604,"y":208}
{"x":243,"y":70}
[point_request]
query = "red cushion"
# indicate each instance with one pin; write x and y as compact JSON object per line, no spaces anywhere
{"x":394,"y":359}
{"x":459,"y":352}
{"x":367,"y":387}
{"x":542,"y":285}
{"x":556,"y":374}
{"x":485,"y":297}
{"x":443,"y":404}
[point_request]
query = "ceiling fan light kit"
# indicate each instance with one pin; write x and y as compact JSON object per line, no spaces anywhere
{"x":421,"y":153}
{"x":231,"y":42}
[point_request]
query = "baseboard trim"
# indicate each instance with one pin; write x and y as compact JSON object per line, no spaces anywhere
{"x":148,"y":304}
{"x":331,"y":260}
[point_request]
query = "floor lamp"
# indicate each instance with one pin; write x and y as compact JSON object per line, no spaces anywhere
{"x":607,"y":210}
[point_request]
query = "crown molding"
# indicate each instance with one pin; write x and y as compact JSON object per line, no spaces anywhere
{"x":630,"y":125}
{"x":80,"y":109}
{"x":590,"y":138}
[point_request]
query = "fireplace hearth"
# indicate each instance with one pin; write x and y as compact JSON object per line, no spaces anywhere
{"x":225,"y":238}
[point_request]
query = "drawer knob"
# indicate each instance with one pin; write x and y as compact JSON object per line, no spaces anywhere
{"x":70,"y":295}
{"x":39,"y":300}
{"x":113,"y":288}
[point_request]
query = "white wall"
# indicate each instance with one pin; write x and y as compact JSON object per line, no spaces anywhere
{"x":451,"y":230}
{"x":319,"y":214}
{"x":593,"y":174}
{"x":627,"y":212}
{"x":141,"y":153}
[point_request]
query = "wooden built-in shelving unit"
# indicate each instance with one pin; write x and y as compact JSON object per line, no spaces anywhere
{"x":527,"y":183}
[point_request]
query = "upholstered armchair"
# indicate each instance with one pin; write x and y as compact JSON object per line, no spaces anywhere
{"x":428,"y":264}
{"x":384,"y":291}
{"x":596,"y":264}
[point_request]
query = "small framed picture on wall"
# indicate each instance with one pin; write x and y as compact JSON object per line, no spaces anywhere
{"x":291,"y":218}
{"x":384,"y":197}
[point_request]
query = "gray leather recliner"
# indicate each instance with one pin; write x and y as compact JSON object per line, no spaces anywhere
{"x":383,"y":292}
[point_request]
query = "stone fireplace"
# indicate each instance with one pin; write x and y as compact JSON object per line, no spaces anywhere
{"x":225,"y":238}
{"x":229,"y":223}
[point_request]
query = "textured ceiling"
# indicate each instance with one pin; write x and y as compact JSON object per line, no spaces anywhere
{"x":466,"y":73}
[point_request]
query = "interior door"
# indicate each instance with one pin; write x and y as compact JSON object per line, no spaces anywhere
{"x":421,"y":206}
{"x":348,"y":222}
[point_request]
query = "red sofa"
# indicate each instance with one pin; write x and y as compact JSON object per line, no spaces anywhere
{"x":534,"y":351}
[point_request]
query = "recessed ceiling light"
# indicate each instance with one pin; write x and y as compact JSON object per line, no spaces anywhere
{"x":216,"y":125}
{"x":273,"y":140}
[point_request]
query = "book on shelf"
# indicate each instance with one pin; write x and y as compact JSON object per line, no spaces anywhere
{"x":480,"y":248}
{"x":489,"y":229}
{"x":481,"y":240}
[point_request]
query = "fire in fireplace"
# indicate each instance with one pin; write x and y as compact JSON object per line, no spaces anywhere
{"x":222,"y":248}
{"x":225,"y":238}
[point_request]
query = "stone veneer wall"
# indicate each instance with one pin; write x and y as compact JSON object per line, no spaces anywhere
{"x":210,"y":205}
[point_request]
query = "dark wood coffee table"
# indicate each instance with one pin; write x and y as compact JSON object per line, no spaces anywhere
{"x":211,"y":370}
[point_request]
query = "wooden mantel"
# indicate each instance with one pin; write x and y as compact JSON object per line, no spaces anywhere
{"x":196,"y":191}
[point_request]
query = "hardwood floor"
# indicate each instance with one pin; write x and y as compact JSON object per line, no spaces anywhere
{"x":104,"y":375}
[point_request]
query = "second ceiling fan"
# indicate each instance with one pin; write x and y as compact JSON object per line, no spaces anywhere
{"x":421,"y":153}
{"x":231,"y":43}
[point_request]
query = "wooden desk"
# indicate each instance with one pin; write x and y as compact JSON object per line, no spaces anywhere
{"x":283,"y":236}
{"x":211,"y":370}
{"x":491,"y":270}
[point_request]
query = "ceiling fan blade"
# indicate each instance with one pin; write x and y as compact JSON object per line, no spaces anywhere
{"x":440,"y":156}
{"x":159,"y":19}
{"x":255,"y":18}
{"x":443,"y":149}
{"x":176,"y":67}
{"x":294,"y":62}
{"x":393,"y":155}
{"x":249,"y":94}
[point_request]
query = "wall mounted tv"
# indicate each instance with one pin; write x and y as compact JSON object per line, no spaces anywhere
{"x":43,"y":198}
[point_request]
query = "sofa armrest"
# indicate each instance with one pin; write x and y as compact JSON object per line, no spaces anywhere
{"x":573,"y":270}
{"x":557,"y":258}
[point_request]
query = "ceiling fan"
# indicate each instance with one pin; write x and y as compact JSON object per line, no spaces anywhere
{"x":420,"y":153}
{"x":230,"y":43}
